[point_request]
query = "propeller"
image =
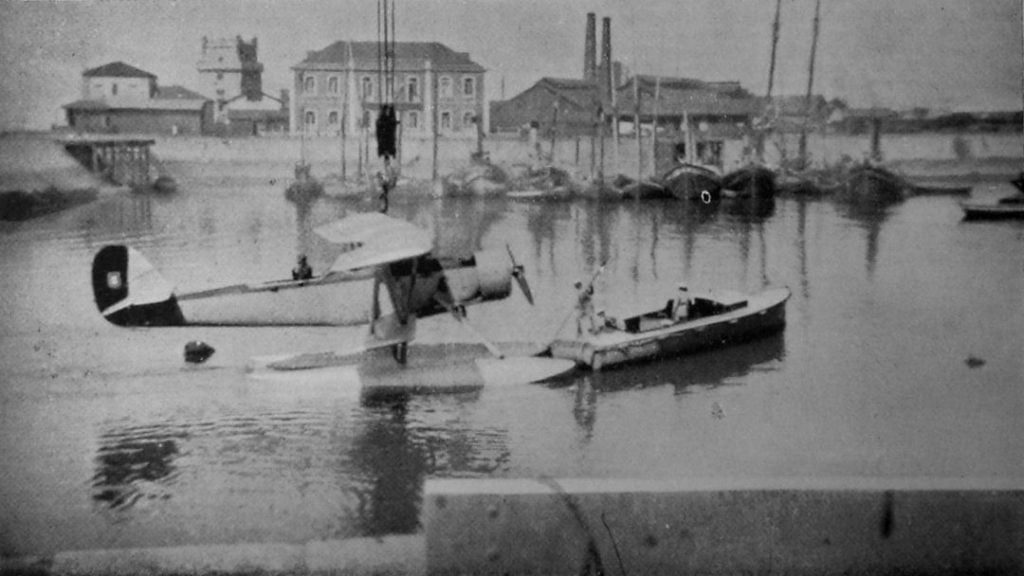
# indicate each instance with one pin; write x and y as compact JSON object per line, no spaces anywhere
{"x":520,"y":276}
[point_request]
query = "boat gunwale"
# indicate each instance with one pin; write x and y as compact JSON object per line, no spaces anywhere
{"x":756,"y":304}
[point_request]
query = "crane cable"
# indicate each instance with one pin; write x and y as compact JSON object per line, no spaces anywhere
{"x":387,"y":120}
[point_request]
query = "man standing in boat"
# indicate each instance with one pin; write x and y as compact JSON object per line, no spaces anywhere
{"x":681,"y":311}
{"x":584,"y":307}
{"x":302,"y":270}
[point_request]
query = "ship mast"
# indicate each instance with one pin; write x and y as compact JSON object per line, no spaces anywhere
{"x":810,"y":84}
{"x":775,"y":45}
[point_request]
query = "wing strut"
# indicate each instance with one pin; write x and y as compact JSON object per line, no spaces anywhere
{"x":459,"y":313}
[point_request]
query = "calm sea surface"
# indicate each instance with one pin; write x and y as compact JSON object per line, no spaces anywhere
{"x":108,"y":439}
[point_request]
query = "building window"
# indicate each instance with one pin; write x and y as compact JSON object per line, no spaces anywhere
{"x":414,"y":120}
{"x":468,"y":119}
{"x":220,"y":94}
{"x":446,"y":87}
{"x":332,"y":85}
{"x":367,"y":90}
{"x":332,"y":118}
{"x":220,"y":75}
{"x":468,"y":86}
{"x":310,"y":120}
{"x":414,"y":89}
{"x":113,"y":89}
{"x":446,"y":120}
{"x":309,"y":84}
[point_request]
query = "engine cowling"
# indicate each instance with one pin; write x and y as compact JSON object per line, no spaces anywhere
{"x":488,"y":276}
{"x":494,"y":273}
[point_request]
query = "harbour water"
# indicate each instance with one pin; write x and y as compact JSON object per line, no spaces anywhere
{"x":109,"y":439}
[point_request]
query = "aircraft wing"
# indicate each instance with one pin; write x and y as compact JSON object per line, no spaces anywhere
{"x":374,"y":239}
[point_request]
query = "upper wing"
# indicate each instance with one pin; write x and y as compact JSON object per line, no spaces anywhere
{"x":374,"y":239}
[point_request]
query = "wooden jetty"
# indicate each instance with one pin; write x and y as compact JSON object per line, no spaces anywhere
{"x":120,"y":159}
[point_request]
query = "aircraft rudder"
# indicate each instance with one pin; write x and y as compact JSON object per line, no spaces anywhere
{"x":130,"y":292}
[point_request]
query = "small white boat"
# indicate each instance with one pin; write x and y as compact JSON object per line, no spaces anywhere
{"x":713,"y":319}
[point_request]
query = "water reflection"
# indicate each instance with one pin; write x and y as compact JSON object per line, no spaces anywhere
{"x":708,"y":369}
{"x":686,"y":374}
{"x":869,"y":215}
{"x":132,"y":461}
{"x":392,"y":466}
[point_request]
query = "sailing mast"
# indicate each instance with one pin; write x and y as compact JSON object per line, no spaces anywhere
{"x":760,"y":132}
{"x":775,"y":45}
{"x":810,"y":84}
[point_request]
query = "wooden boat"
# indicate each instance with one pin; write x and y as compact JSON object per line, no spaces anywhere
{"x":714,"y":319}
{"x":874,"y":184}
{"x":1004,"y":209}
{"x":939,"y":188}
{"x":753,"y":181}
{"x":691,"y":182}
{"x":644,"y":190}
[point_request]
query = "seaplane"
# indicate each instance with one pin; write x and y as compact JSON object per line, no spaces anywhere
{"x":386,"y":277}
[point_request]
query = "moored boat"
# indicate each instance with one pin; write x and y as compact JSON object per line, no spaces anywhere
{"x":875,"y":184}
{"x":1004,"y":209}
{"x":690,"y":182}
{"x":712,"y":319}
{"x":753,"y":181}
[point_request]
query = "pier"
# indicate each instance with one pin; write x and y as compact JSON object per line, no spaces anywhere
{"x":122,"y":160}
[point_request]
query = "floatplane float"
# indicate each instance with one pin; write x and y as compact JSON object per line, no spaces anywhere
{"x":379,"y":252}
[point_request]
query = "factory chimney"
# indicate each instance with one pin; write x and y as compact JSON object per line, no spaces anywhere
{"x":590,"y":49}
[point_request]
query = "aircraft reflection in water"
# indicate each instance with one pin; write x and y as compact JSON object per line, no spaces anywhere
{"x":132,"y":458}
{"x":247,"y":461}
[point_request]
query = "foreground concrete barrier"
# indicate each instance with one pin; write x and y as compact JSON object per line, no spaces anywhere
{"x":548,"y":526}
{"x":391,"y":555}
{"x":832,"y":526}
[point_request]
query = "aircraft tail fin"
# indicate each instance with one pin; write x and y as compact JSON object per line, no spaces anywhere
{"x":130,"y":292}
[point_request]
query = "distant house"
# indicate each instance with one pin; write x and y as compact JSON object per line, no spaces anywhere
{"x":792,"y":113}
{"x":341,"y":84}
{"x":862,"y":120}
{"x":577,"y":102}
{"x":119,"y":98}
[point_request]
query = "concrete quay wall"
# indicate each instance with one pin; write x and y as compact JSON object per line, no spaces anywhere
{"x":959,"y":151}
{"x":700,"y":526}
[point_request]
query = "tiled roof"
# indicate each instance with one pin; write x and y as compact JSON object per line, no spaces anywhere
{"x":119,"y":70}
{"x":177,"y":93}
{"x":705,"y":102}
{"x":87,"y":105}
{"x":582,"y":93}
{"x":412,"y":54}
{"x":137,"y":104}
{"x":258,"y":115}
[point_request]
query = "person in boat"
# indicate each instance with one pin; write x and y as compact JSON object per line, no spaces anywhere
{"x":302,"y":270}
{"x":681,"y":311}
{"x":584,"y":308}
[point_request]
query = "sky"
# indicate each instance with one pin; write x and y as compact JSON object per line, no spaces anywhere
{"x":958,"y":55}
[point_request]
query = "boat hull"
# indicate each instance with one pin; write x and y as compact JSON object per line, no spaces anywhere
{"x":765,"y":314}
{"x":751,"y":182}
{"x":871,"y":184}
{"x":690,"y":182}
{"x":979,"y":211}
